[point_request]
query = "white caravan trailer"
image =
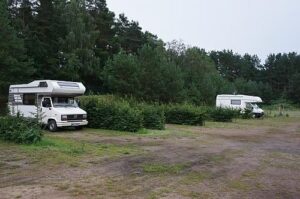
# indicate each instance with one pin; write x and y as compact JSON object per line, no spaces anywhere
{"x":53,"y":102}
{"x":240,"y":102}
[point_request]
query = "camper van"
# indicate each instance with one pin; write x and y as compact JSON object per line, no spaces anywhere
{"x":52,"y":102}
{"x":242,"y":102}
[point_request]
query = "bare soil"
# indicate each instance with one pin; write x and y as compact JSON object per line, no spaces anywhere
{"x":239,"y":161}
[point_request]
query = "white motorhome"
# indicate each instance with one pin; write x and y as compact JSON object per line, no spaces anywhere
{"x":53,"y":102}
{"x":242,"y":102}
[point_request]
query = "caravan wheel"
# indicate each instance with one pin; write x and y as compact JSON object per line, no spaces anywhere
{"x":52,"y":125}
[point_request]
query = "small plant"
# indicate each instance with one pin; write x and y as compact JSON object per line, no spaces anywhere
{"x":20,"y":130}
{"x":158,"y":168}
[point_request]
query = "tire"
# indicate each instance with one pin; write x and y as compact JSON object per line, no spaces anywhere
{"x":52,"y":126}
{"x":79,"y":127}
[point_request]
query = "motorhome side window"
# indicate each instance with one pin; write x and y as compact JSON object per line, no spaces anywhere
{"x":46,"y":103}
{"x":236,"y":102}
{"x":29,"y":99}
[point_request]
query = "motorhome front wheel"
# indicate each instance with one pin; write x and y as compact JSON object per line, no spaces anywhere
{"x":52,"y":126}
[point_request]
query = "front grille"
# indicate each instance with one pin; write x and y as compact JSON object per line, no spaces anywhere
{"x":74,"y":117}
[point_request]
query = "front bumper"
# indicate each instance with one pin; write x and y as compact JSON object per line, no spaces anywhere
{"x":72,"y":123}
{"x":259,"y":115}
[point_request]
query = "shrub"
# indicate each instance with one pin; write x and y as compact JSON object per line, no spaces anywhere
{"x":3,"y":106}
{"x":20,"y":130}
{"x":109,"y":112}
{"x":223,"y":114}
{"x":153,"y":116}
{"x":247,"y":114}
{"x":184,"y":114}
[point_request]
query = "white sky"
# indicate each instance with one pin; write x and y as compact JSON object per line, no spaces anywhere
{"x":246,"y":26}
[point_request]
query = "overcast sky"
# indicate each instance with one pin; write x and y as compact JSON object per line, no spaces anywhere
{"x":246,"y":26}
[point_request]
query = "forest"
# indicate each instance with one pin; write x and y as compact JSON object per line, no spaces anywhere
{"x":82,"y":40}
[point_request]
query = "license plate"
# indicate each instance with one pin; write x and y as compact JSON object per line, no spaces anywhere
{"x":74,"y":124}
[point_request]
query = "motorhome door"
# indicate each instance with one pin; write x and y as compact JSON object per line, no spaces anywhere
{"x":46,"y":109}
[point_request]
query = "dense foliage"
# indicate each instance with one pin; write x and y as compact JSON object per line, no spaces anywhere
{"x":222,"y":114}
{"x":19,"y":130}
{"x":111,"y":112}
{"x":82,"y":40}
{"x":108,"y":113}
{"x":153,"y":116}
{"x":184,"y":114}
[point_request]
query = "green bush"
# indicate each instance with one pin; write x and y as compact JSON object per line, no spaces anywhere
{"x":20,"y":130}
{"x":184,"y":114}
{"x":223,"y":114}
{"x":109,"y":112}
{"x":247,"y":114}
{"x":3,"y":106}
{"x":153,"y":116}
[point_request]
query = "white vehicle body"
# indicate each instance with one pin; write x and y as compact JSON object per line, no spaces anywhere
{"x":242,"y":102}
{"x":53,"y":102}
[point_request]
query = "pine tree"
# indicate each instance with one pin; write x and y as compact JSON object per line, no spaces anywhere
{"x":15,"y":66}
{"x":104,"y":20}
{"x":77,"y":48}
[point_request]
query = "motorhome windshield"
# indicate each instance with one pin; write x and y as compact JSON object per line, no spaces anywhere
{"x":64,"y":102}
{"x":255,"y":106}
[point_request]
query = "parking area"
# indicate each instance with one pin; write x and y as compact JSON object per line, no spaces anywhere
{"x":243,"y":159}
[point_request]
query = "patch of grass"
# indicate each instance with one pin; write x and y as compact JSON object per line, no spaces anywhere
{"x":193,"y":194}
{"x":250,"y":174}
{"x":56,"y":150}
{"x":62,"y":145}
{"x":217,"y":158}
{"x":196,"y":177}
{"x":111,"y":150}
{"x":246,"y":123}
{"x":159,"y":193}
{"x":239,"y":185}
{"x":62,"y":187}
{"x":2,"y":164}
{"x":282,"y":160}
{"x":159,"y":168}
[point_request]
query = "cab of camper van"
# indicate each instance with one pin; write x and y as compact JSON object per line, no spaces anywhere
{"x":52,"y":102}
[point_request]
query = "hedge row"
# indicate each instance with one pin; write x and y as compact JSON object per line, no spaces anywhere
{"x":19,"y":130}
{"x":111,"y":112}
{"x":222,"y":114}
{"x":107,"y":112}
{"x":184,"y":114}
{"x":153,"y":116}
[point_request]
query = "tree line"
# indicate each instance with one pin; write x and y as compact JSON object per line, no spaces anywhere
{"x":82,"y":40}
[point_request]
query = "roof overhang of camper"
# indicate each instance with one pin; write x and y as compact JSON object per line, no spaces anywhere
{"x":50,"y":87}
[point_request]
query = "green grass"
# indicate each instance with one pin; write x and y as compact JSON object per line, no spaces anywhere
{"x":196,"y":177}
{"x":242,"y":124}
{"x":56,"y":150}
{"x":239,"y":185}
{"x":159,"y":168}
{"x":159,"y":193}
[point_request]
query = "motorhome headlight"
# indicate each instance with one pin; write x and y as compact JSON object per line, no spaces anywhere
{"x":84,"y":116}
{"x":64,"y":117}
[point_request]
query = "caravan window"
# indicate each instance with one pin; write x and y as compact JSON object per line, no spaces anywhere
{"x":236,"y":102}
{"x":29,"y":99}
